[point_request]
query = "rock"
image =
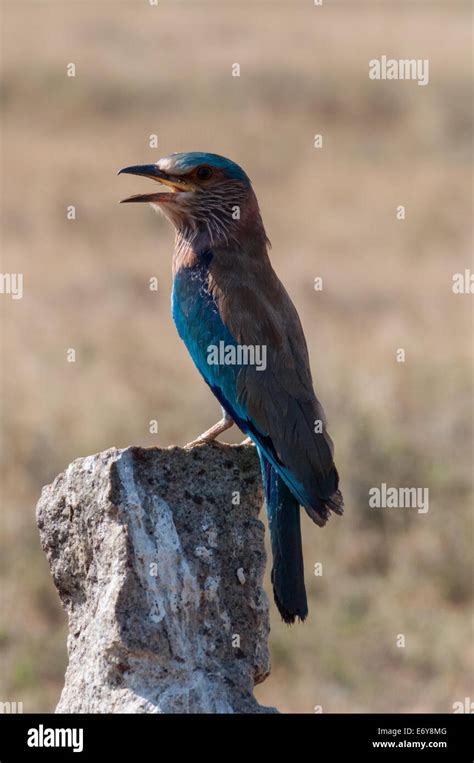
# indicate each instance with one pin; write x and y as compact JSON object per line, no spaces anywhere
{"x":158,"y":557}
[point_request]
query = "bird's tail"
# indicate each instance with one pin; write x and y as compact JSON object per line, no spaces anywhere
{"x":285,"y":536}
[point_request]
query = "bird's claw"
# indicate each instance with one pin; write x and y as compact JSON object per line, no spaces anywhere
{"x":210,"y":435}
{"x":201,"y":441}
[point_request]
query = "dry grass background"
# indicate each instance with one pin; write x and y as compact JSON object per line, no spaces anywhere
{"x":329,"y":212}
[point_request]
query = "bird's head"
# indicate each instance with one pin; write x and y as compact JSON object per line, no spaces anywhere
{"x":209,"y":196}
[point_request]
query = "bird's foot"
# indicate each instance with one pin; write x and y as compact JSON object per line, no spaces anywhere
{"x":247,"y":441}
{"x":210,"y":434}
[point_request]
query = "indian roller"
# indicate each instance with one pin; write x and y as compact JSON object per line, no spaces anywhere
{"x":245,"y":337}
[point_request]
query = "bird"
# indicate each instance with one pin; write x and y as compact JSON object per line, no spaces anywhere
{"x":245,"y":337}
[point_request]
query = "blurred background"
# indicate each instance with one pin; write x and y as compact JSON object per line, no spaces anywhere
{"x":330,"y":212}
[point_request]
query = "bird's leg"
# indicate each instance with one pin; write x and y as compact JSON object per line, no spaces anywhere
{"x":210,"y":434}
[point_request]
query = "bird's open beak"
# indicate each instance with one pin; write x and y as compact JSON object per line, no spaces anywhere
{"x":151,"y":171}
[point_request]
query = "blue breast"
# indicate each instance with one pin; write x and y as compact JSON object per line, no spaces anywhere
{"x":200,"y":326}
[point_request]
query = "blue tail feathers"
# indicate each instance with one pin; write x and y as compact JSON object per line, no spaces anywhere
{"x":285,"y":535}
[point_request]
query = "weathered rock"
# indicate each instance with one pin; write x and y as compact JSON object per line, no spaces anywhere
{"x":160,"y":570}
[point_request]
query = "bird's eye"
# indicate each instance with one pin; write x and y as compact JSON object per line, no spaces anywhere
{"x":204,"y":173}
